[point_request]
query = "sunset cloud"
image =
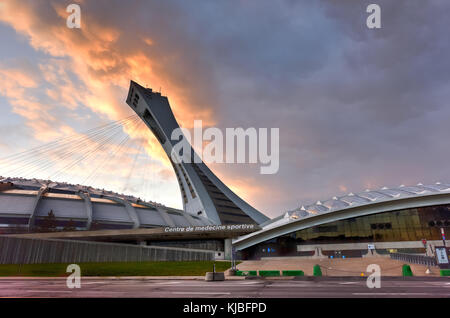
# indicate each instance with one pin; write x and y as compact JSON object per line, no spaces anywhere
{"x":356,"y":107}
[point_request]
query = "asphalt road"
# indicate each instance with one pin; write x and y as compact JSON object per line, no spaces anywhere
{"x":104,"y":287}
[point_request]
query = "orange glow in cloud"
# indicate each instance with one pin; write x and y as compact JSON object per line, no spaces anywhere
{"x":103,"y":66}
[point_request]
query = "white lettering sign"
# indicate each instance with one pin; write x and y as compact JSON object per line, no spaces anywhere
{"x":441,"y":255}
{"x":210,"y":228}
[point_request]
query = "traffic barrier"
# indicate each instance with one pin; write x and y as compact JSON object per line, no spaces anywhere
{"x":292,"y":273}
{"x":317,"y":271}
{"x":269,"y":273}
{"x":445,"y":272}
{"x":414,"y":259}
{"x":214,"y":276}
{"x":406,"y":270}
{"x":246,"y":273}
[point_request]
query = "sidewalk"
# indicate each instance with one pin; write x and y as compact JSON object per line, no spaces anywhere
{"x":338,"y":267}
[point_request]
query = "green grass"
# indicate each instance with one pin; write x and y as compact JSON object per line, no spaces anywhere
{"x":117,"y":269}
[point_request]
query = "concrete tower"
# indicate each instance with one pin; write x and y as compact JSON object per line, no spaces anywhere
{"x":202,"y":192}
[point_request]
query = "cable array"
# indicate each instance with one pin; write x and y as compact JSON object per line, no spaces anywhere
{"x":83,"y":157}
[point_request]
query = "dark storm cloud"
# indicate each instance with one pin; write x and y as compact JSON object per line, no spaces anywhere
{"x":356,"y":107}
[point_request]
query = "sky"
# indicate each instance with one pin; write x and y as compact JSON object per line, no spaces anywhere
{"x":357,"y":108}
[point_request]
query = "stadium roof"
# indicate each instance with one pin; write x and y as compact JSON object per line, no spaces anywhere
{"x":363,"y":198}
{"x":23,"y":201}
{"x":63,"y":187}
{"x":347,"y":206}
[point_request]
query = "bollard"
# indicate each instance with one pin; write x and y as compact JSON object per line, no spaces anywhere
{"x":317,"y":271}
{"x":406,"y":270}
{"x":214,"y":276}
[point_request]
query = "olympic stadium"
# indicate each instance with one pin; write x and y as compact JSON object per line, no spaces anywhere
{"x":26,"y":204}
{"x":375,"y":221}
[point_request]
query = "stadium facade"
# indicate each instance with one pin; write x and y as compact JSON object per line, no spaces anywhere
{"x":371,"y":222}
{"x":26,"y":205}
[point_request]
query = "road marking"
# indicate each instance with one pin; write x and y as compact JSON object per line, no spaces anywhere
{"x":201,"y":293}
{"x":390,"y":294}
{"x":224,"y":285}
{"x":298,"y":286}
{"x":48,"y":291}
{"x":167,"y":283}
{"x":347,"y":283}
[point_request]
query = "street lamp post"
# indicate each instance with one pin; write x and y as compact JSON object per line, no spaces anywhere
{"x":424,"y":242}
{"x":233,"y":258}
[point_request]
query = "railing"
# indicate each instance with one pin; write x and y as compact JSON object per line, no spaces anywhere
{"x":415,"y":259}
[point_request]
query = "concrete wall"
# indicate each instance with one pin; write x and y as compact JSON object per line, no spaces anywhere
{"x":210,"y":244}
{"x":33,"y":251}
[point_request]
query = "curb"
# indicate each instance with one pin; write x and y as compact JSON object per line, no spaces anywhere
{"x":349,"y":278}
{"x":364,"y":278}
{"x":106,"y":277}
{"x":297,"y":278}
{"x":118,"y":278}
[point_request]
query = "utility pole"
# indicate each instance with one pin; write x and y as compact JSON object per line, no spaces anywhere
{"x":233,"y":259}
{"x":424,"y":242}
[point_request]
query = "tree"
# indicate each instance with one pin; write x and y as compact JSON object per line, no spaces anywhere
{"x":70,"y":226}
{"x":48,"y":223}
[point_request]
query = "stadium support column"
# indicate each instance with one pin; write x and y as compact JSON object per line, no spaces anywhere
{"x":227,"y":246}
{"x":88,"y":206}
{"x":130,"y":209}
{"x":32,"y":219}
{"x":164,"y":215}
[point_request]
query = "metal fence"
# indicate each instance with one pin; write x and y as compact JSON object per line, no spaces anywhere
{"x":414,"y":259}
{"x":32,"y":251}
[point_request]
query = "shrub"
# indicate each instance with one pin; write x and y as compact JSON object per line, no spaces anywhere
{"x":317,"y":271}
{"x":293,"y":273}
{"x":406,"y":270}
{"x":269,"y":273}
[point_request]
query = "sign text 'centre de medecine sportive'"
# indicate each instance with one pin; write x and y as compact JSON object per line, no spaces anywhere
{"x":209,"y":228}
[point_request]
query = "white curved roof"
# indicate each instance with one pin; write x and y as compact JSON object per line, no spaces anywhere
{"x":21,"y":199}
{"x":367,"y":197}
{"x":350,"y":205}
